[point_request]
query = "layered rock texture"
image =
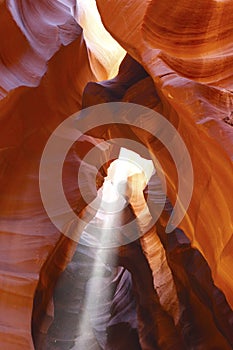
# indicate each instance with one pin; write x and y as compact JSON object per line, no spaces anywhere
{"x":162,"y":291}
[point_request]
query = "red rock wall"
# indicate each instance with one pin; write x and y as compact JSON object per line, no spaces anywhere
{"x":194,"y":81}
{"x":44,"y":60}
{"x":45,"y":68}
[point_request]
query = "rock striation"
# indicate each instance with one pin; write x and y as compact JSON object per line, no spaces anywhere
{"x":168,"y":291}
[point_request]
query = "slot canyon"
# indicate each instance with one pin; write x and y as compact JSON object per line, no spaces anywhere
{"x":116,"y":175}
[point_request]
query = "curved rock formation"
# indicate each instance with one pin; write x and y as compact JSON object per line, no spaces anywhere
{"x":176,"y":247}
{"x":199,"y":110}
{"x":178,"y":63}
{"x":28,"y":116}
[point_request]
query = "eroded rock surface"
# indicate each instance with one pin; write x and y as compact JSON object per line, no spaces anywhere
{"x":179,"y":63}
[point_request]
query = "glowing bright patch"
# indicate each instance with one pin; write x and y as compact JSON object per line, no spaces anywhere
{"x":107,"y":53}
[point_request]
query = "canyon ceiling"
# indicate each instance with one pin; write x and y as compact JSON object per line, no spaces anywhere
{"x":169,"y":291}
